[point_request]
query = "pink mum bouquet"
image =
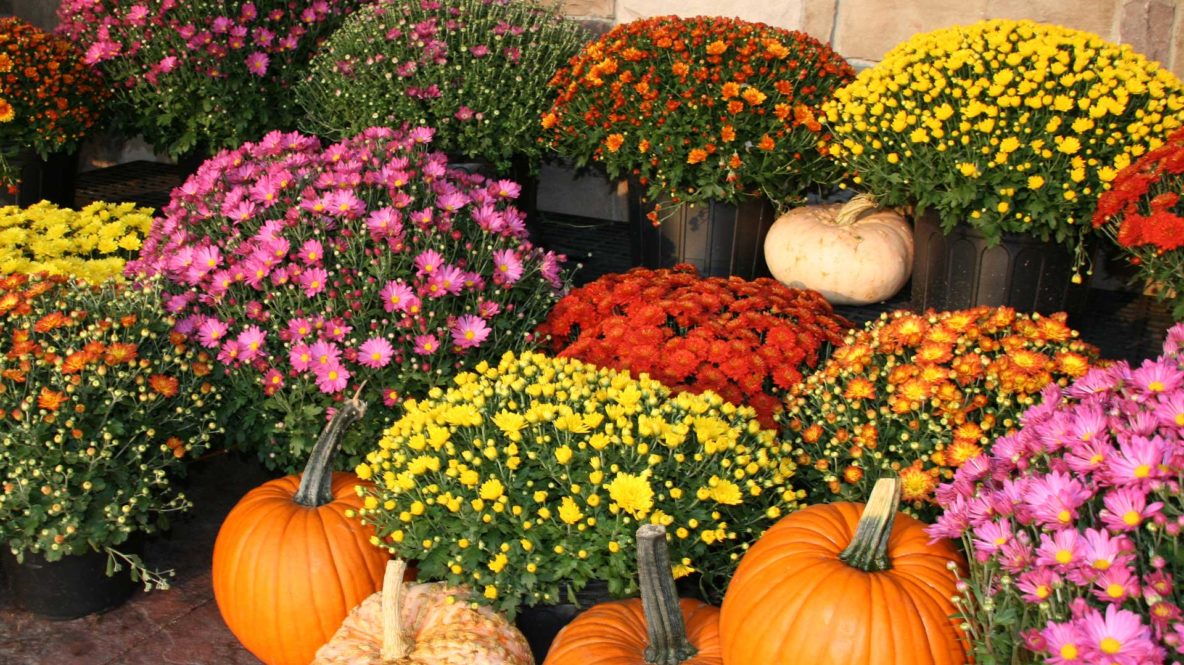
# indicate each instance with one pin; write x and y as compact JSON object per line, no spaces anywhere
{"x":314,"y":272}
{"x":1073,"y":523}
{"x":196,"y":76}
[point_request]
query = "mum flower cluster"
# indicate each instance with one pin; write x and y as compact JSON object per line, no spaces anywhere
{"x":1011,"y":126}
{"x":920,"y":394}
{"x":475,"y":70}
{"x":316,"y":272}
{"x":195,"y":76}
{"x":90,"y":245}
{"x":100,"y":404}
{"x":1144,"y":215}
{"x":747,"y":341}
{"x":49,"y":99}
{"x":1073,"y":522}
{"x":700,"y":109}
{"x":531,"y":476}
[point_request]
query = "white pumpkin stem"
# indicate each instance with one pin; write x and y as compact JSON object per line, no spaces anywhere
{"x":853,"y":210}
{"x":394,"y":647}
{"x":868,"y":550}
{"x":668,"y":642}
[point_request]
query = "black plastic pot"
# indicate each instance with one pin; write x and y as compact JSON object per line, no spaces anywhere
{"x":962,"y":270}
{"x":719,"y":239}
{"x":541,"y":623}
{"x":53,"y":179}
{"x":71,"y":587}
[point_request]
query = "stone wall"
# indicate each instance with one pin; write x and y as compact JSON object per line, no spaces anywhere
{"x":863,"y":30}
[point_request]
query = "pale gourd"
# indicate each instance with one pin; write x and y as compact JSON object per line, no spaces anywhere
{"x":423,"y":624}
{"x":853,"y":254}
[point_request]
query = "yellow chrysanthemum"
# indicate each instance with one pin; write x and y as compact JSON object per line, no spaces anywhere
{"x":632,"y":494}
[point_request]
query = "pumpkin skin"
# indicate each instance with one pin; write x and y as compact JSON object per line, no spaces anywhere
{"x":615,"y":634}
{"x":657,"y":629}
{"x":866,"y":261}
{"x":793,"y":600}
{"x":439,"y":632}
{"x":286,"y":574}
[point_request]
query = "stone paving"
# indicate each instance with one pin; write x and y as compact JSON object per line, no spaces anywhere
{"x":180,"y":626}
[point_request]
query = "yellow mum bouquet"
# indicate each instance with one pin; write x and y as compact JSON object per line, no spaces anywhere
{"x":90,"y":245}
{"x":527,"y":480}
{"x":1011,"y":126}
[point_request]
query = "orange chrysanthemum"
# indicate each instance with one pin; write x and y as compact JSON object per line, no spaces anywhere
{"x":120,"y":353}
{"x":164,"y":385}
{"x":50,"y":400}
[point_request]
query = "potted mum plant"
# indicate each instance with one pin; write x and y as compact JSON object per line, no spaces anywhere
{"x":196,"y":77}
{"x":49,"y":101}
{"x":1002,"y":134}
{"x":1143,"y":215}
{"x":527,"y":478}
{"x":315,"y":272}
{"x":90,"y":245}
{"x":917,"y":395}
{"x":102,"y":405}
{"x":1073,"y":523}
{"x":750,"y":342}
{"x":715,"y":119}
{"x":474,"y":70}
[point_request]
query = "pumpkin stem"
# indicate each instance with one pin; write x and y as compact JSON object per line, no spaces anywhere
{"x":868,"y":550}
{"x":394,"y":647}
{"x":853,"y":210}
{"x":668,"y":643}
{"x":316,"y":484}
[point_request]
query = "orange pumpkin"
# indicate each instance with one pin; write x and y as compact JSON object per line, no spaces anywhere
{"x":658,"y":628}
{"x":288,"y":564}
{"x":423,"y":624}
{"x":826,"y":586}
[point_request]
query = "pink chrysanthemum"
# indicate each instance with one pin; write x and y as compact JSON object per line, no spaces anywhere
{"x":469,"y":331}
{"x":331,"y":378}
{"x":426,"y":345}
{"x":313,"y":281}
{"x":375,"y":353}
{"x":250,"y":343}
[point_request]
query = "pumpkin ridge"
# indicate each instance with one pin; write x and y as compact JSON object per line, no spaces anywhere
{"x":264,"y":568}
{"x":936,"y":605}
{"x":777,"y":592}
{"x":358,"y":548}
{"x":341,"y":572}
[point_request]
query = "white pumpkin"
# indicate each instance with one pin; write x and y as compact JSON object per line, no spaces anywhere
{"x":853,"y":254}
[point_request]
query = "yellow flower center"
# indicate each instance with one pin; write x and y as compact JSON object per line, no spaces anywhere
{"x":1131,"y":518}
{"x":1142,"y":471}
{"x":1109,"y":645}
{"x":1115,"y":590}
{"x":1155,"y":386}
{"x":1102,"y":564}
{"x":1069,"y":652}
{"x":1064,"y":556}
{"x":1064,"y":516}
{"x":1042,"y":591}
